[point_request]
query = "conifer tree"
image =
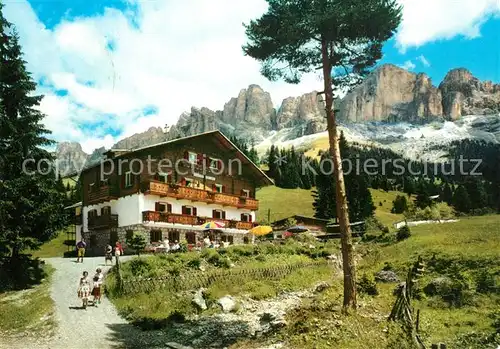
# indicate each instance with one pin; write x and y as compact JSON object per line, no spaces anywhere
{"x":31,"y":201}
{"x":461,"y":199}
{"x":344,"y":39}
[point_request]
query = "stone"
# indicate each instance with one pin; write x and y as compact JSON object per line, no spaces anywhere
{"x":322,"y":286}
{"x":198,"y":299}
{"x":227,"y":304}
{"x":174,"y":345}
{"x":386,"y":276}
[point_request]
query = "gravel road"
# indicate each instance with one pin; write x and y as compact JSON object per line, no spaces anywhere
{"x":94,"y":328}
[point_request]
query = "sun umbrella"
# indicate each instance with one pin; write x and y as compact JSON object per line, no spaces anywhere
{"x":212,"y":225}
{"x":297,"y":229}
{"x":261,"y":230}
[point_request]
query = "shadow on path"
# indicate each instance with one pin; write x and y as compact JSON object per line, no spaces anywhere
{"x":204,"y":333}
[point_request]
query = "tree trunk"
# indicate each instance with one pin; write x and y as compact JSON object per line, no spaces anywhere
{"x":349,"y":268}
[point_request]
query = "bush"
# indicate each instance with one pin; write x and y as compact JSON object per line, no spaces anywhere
{"x":137,"y":242}
{"x":400,"y":204}
{"x":485,"y":282}
{"x":139,"y":267}
{"x":403,"y":233}
{"x":368,"y":285}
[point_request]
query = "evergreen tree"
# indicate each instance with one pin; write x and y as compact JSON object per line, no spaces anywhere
{"x":31,"y":203}
{"x":477,"y":193}
{"x":295,"y":37}
{"x":423,"y":199}
{"x":400,"y":204}
{"x":461,"y":200}
{"x":409,"y":186}
{"x":447,"y":193}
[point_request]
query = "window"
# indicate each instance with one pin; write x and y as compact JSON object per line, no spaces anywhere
{"x":129,"y":235}
{"x":214,"y":164}
{"x":245,"y":193}
{"x":128,"y":179}
{"x":163,"y":207}
{"x":163,"y":177}
{"x":192,"y":158}
{"x":91,"y":187}
{"x":191,"y":237}
{"x":155,"y":236}
{"x":218,"y":214}
{"x":173,"y":236}
{"x":104,"y":182}
{"x":246,"y":217}
{"x":106,"y":210}
{"x":189,"y":210}
{"x":219,"y":188}
{"x":188,"y":182}
{"x":230,"y":239}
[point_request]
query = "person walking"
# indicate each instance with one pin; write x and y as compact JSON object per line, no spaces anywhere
{"x":84,"y":289}
{"x":96,"y":290}
{"x":80,"y":248}
{"x":118,"y":250}
{"x":108,"y":255}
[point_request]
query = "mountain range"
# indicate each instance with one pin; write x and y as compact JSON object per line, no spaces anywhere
{"x":389,"y":95}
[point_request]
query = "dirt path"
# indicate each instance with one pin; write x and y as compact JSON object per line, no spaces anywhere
{"x":96,"y":327}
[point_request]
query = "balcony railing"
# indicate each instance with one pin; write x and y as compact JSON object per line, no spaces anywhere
{"x":103,"y":193}
{"x":103,"y":221}
{"x":175,"y":218}
{"x":194,"y":194}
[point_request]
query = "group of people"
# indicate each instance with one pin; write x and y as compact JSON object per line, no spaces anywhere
{"x":108,"y":253}
{"x":86,"y":288}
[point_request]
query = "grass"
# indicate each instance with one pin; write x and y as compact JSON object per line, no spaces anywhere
{"x":158,"y":306}
{"x":456,"y":250}
{"x":284,"y":203}
{"x":28,"y":311}
{"x":318,"y":144}
{"x":53,"y":248}
{"x":383,"y":213}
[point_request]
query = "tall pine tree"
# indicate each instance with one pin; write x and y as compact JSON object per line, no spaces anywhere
{"x":31,"y":199}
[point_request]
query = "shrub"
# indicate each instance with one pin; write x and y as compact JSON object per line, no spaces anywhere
{"x":400,"y":204}
{"x":137,"y":242}
{"x":485,"y":282}
{"x":403,"y":233}
{"x":139,"y":266}
{"x":368,"y":285}
{"x":194,"y":263}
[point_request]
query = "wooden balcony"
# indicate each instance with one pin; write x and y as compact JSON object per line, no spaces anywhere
{"x":175,"y":218}
{"x":103,"y":222}
{"x":164,"y":217}
{"x":186,"y":193}
{"x":102,"y":194}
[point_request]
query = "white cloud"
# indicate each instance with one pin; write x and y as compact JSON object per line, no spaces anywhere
{"x":424,"y":61}
{"x":430,"y":20}
{"x":182,"y":54}
{"x":408,"y":65}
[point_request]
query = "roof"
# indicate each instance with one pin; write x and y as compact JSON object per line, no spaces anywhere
{"x":216,"y":133}
{"x":74,"y":205}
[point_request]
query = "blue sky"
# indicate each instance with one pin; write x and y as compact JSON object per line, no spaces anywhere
{"x":109,"y":69}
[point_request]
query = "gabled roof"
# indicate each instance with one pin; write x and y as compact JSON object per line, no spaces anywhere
{"x":216,"y":133}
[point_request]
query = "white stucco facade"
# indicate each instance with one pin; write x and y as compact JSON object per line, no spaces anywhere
{"x":129,"y":209}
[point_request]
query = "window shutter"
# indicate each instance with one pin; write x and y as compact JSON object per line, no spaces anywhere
{"x":183,"y":181}
{"x":183,"y":209}
{"x":157,"y":206}
{"x":186,"y":155}
{"x":242,"y":192}
{"x":214,"y":187}
{"x":157,"y":176}
{"x":223,"y":214}
{"x":194,"y":211}
{"x":242,"y":217}
{"x":123,"y":180}
{"x":199,"y":159}
{"x":219,"y":164}
{"x":213,"y":213}
{"x":249,"y":217}
{"x":169,"y":208}
{"x":223,"y":188}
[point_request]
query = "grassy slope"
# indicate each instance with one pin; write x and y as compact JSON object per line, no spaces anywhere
{"x":28,"y":311}
{"x":287,"y":202}
{"x":472,"y":242}
{"x":53,"y":248}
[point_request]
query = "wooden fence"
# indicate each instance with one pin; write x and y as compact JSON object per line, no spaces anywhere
{"x":197,"y":279}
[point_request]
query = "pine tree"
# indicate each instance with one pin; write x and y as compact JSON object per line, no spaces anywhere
{"x":447,"y":193}
{"x":31,"y":203}
{"x":477,"y":193}
{"x":461,"y":200}
{"x":295,"y":37}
